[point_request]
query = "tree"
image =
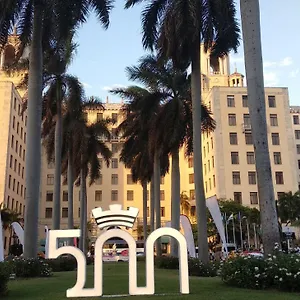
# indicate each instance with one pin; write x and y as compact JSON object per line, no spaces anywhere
{"x":176,"y":28}
{"x":257,"y":108}
{"x":41,"y":23}
{"x":185,"y":205}
{"x":289,"y":207}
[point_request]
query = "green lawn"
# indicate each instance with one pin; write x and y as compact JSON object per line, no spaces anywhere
{"x":116,"y":282}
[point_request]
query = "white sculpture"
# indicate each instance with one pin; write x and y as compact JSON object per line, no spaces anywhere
{"x":117,"y":220}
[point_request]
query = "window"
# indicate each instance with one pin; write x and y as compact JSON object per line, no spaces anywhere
{"x":8,"y":202}
{"x":12,"y":141}
{"x":49,"y":196}
{"x":191,"y":161}
{"x":162,"y":195}
{"x":233,"y":138}
{"x":212,"y":142}
{"x":22,"y":172}
{"x":114,"y":163}
{"x":99,"y":180}
{"x":205,"y":171}
{"x":273,"y":120}
{"x":237,"y":197}
{"x":20,"y":151}
{"x":213,"y":161}
{"x":232,"y":120}
{"x":64,"y":212}
{"x":24,"y":154}
{"x":130,"y":196}
{"x":252,"y":177}
{"x":192,"y":194}
{"x":298,"y":164}
{"x":25,"y":137}
{"x":204,"y":152}
{"x":14,"y":184}
{"x":11,"y":162}
{"x":79,"y":212}
{"x":230,"y":101}
{"x":18,"y":126}
{"x":15,"y":165}
{"x":207,"y":147}
{"x":298,"y":149}
{"x":214,"y":180}
{"x":250,"y":158}
{"x":9,"y":181}
{"x":247,"y":120}
{"x":277,"y":158}
{"x":15,"y":103}
{"x":17,"y":146}
{"x":280,"y":195}
{"x":279,"y":177}
{"x":114,"y":117}
{"x":253,"y":198}
{"x":297,"y":134}
{"x":209,"y":182}
{"x":236,"y":178}
{"x":65,"y":196}
{"x":21,"y":132}
{"x":191,"y":178}
{"x":234,"y":158}
{"x":98,"y":195}
{"x":245,"y":100}
{"x":129,"y":179}
{"x":50,"y":179}
{"x":208,"y":164}
{"x":272,"y":102}
{"x":276,"y":140}
{"x":26,"y":121}
{"x":114,"y":195}
{"x":248,"y":138}
{"x":162,"y":211}
{"x":48,"y":213}
{"x":295,"y":119}
{"x":162,"y":180}
{"x":114,"y":148}
{"x":148,"y":212}
{"x":99,"y":117}
{"x":14,"y":121}
{"x":114,"y":179}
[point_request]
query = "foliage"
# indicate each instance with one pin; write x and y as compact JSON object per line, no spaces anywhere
{"x":196,"y":268}
{"x":5,"y":270}
{"x":62,"y":264}
{"x":289,"y":207}
{"x":27,"y":268}
{"x":280,"y":271}
{"x":9,"y":216}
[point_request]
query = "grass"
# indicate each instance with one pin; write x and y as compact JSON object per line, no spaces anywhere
{"x":116,"y":282}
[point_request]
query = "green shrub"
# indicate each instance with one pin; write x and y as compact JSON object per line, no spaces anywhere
{"x":281,"y":271}
{"x":62,"y":264}
{"x":5,"y":270}
{"x":195,"y":267}
{"x":26,"y":268}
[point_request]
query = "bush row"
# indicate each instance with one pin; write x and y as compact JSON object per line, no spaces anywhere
{"x":279,"y":271}
{"x":196,"y":268}
{"x":5,"y":270}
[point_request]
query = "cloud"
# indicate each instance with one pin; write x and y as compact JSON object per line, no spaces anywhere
{"x":285,"y":62}
{"x":294,"y":74}
{"x":114,"y":86}
{"x":271,"y":78}
{"x":86,"y":85}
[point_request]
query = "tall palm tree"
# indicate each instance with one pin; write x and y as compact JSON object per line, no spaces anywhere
{"x":176,"y":28}
{"x":257,"y":108}
{"x":39,"y":24}
{"x":90,"y":142}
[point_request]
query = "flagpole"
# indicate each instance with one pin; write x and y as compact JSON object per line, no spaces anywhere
{"x":255,"y":239}
{"x":233,"y":231}
{"x":226,"y":228}
{"x":248,"y":233}
{"x":241,"y":230}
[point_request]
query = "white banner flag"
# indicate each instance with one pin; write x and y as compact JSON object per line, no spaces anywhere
{"x":214,"y":209}
{"x":19,"y":232}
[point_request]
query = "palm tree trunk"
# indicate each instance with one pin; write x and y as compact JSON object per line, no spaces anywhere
{"x":152,"y":205}
{"x":70,"y":195}
{"x":257,"y":108}
{"x":83,"y":212}
{"x":175,"y":199}
{"x":33,"y":144}
{"x":156,"y":179}
{"x":57,"y":173}
{"x":197,"y":146}
{"x":145,"y":223}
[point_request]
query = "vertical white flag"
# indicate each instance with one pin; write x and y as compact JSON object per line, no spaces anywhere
{"x":47,"y":242}
{"x":1,"y":241}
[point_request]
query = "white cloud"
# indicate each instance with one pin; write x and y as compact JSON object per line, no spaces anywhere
{"x":294,"y":74}
{"x":271,"y":78}
{"x":285,"y":62}
{"x":114,"y":86}
{"x":86,"y":85}
{"x":269,"y":64}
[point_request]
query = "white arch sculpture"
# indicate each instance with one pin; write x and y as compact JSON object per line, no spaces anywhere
{"x":79,"y":291}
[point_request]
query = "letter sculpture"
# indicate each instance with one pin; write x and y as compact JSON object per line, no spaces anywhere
{"x":115,"y":216}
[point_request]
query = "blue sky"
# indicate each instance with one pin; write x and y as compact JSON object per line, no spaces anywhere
{"x":103,"y":55}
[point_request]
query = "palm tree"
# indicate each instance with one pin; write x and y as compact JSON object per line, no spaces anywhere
{"x":40,"y":23}
{"x":257,"y":108}
{"x":176,"y":28}
{"x":185,"y":205}
{"x":90,"y":142}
